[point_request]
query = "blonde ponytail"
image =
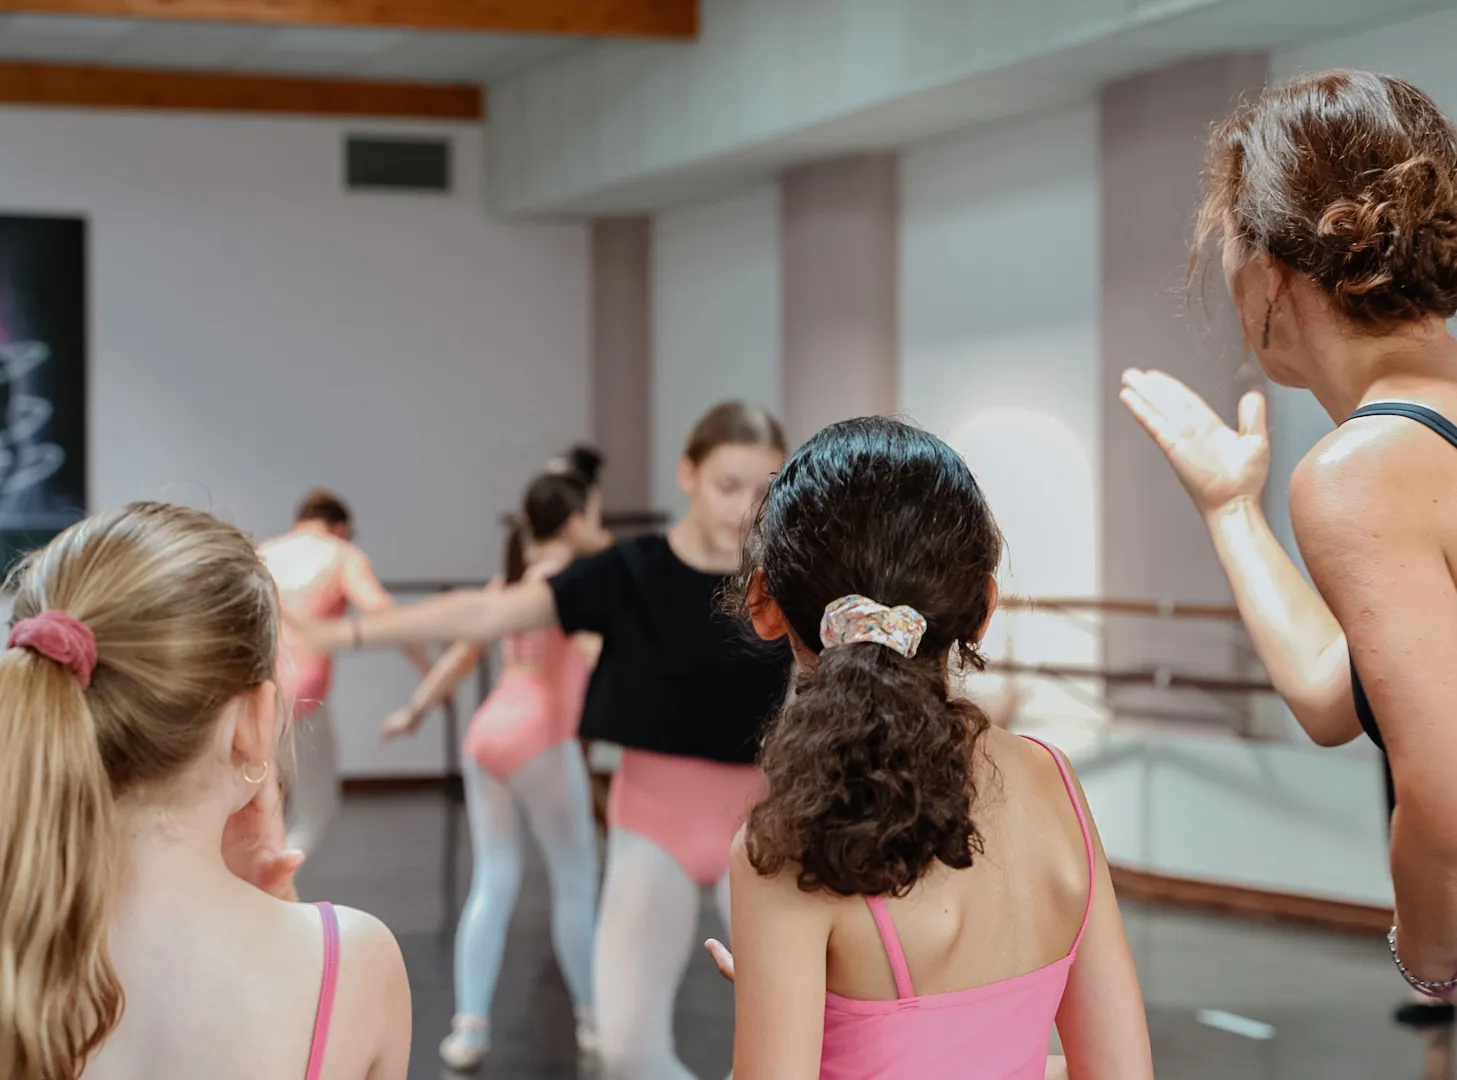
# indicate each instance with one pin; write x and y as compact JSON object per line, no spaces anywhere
{"x":59,"y":995}
{"x":157,"y":617}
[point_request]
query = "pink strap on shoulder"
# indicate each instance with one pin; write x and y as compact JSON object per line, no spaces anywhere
{"x":1072,"y":793}
{"x":330,"y":983}
{"x":892,"y":942}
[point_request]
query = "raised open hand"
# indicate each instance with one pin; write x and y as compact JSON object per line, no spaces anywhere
{"x":1216,"y":464}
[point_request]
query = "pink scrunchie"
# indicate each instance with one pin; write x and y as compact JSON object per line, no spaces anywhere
{"x":61,"y":638}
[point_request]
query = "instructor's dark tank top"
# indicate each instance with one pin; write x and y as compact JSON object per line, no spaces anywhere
{"x":1442,"y":426}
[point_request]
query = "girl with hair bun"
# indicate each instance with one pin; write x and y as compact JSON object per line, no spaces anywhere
{"x":524,"y":770}
{"x":899,"y":825}
{"x":1331,"y":204}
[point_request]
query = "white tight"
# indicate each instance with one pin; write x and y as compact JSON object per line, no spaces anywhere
{"x":646,"y":935}
{"x":551,"y":795}
{"x":314,"y":797}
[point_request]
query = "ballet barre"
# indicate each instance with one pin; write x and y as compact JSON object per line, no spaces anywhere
{"x":1085,"y":612}
{"x":1161,"y":609}
{"x":1161,"y":678}
{"x":615,"y":519}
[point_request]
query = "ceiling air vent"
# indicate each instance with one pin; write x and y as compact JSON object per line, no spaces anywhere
{"x":395,"y":163}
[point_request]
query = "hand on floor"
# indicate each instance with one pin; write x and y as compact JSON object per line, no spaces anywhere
{"x":722,"y":958}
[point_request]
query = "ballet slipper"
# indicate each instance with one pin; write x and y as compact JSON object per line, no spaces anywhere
{"x":589,"y":1043}
{"x":466,"y":1046}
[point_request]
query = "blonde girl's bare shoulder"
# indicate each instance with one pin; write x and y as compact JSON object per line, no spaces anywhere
{"x":367,"y":945}
{"x":372,"y":1003}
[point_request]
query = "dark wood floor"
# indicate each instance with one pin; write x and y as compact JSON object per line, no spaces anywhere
{"x":1326,"y":998}
{"x":406,"y":858}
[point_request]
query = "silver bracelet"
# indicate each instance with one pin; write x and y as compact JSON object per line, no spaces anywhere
{"x":1431,"y":989}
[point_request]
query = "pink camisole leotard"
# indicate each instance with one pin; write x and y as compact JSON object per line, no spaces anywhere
{"x":536,"y":704}
{"x":308,"y":569}
{"x":999,"y":1031}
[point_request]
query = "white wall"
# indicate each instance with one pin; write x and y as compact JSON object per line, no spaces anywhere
{"x":715,"y":311}
{"x":1289,"y":818}
{"x":254,"y":331}
{"x":999,"y":351}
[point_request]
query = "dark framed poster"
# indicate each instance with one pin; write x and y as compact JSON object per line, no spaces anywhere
{"x":42,"y":379}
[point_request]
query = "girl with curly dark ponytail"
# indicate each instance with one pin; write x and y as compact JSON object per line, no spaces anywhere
{"x":899,"y":824}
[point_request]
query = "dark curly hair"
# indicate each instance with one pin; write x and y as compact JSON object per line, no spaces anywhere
{"x":1349,"y":178}
{"x":869,"y":761}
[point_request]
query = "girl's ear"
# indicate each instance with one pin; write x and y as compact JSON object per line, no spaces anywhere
{"x":768,"y":619}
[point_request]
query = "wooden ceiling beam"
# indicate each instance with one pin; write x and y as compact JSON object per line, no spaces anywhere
{"x":584,"y":18}
{"x":122,"y":88}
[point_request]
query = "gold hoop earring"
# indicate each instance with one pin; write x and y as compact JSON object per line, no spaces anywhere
{"x":249,"y":780}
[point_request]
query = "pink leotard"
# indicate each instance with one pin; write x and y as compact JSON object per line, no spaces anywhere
{"x":304,"y":676}
{"x":537,"y":704}
{"x":690,"y":807}
{"x":998,"y":1031}
{"x":327,"y":987}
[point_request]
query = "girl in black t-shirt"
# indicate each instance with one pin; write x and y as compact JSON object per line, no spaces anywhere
{"x":680,"y":687}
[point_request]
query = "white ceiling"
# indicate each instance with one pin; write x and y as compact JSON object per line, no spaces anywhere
{"x":412,"y":55}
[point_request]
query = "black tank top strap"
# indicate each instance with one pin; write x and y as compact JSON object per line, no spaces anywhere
{"x":1410,"y":410}
{"x":1363,"y":709}
{"x":1433,"y":421}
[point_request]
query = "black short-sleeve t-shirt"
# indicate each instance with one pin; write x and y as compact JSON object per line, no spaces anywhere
{"x":676,"y":675}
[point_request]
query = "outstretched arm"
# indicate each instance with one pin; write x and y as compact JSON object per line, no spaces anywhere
{"x":364,"y":591}
{"x":1293,"y":631}
{"x":458,"y":662}
{"x":480,"y":615}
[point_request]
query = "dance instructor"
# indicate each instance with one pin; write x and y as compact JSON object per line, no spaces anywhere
{"x":680,"y":686}
{"x":1333,"y":201}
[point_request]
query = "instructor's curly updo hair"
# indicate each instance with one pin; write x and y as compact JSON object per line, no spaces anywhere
{"x":869,"y":762}
{"x":1349,"y":178}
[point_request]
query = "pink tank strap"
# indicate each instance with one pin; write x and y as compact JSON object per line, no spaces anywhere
{"x":892,"y":942}
{"x":1072,"y":793}
{"x":325,"y":1012}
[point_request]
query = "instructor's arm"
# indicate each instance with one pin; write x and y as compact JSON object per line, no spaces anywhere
{"x":1293,"y":631}
{"x":482,"y":615}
